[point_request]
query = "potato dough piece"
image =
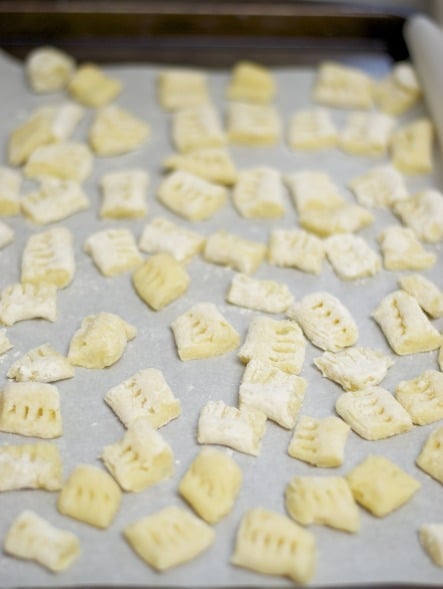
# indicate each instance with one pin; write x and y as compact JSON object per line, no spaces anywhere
{"x":169,"y":537}
{"x":342,"y":86}
{"x":261,"y":295}
{"x":351,"y":257}
{"x":294,"y":248}
{"x":423,"y":213}
{"x":28,"y":301}
{"x":398,"y":91}
{"x":124,"y":194}
{"x":6,"y":235}
{"x":258,"y":194}
{"x":211,"y":484}
{"x":312,"y":129}
{"x":366,"y":134}
{"x":182,"y":88}
{"x":10,"y":183}
{"x":251,"y":82}
{"x":431,"y":538}
{"x":422,"y":397}
{"x":113,"y":250}
{"x":313,"y":190}
{"x":33,"y":538}
{"x":164,"y":236}
{"x":65,"y":160}
{"x":196,"y":128}
{"x":426,"y":293}
{"x":382,"y":186}
{"x":54,"y":200}
{"x":42,"y":364}
{"x":345,"y":218}
{"x":253,"y":125}
{"x":92,"y":87}
{"x":210,"y":163}
{"x":100,"y":341}
{"x":412,"y":147}
{"x":30,"y":466}
{"x":5,"y":344}
{"x":380,"y":486}
{"x":116,"y":131}
{"x":48,"y":69}
{"x":430,"y":458}
{"x":402,"y":250}
{"x":234,"y":251}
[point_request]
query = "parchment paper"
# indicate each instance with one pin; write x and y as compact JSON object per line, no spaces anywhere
{"x":385,"y":550}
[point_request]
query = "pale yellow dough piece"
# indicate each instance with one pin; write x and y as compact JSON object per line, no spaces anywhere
{"x":311,"y":130}
{"x":5,"y":344}
{"x":270,"y":543}
{"x":380,"y":486}
{"x":67,"y":160}
{"x":426,"y":293}
{"x":251,"y":82}
{"x":320,"y":442}
{"x":382,"y":186}
{"x":351,"y":257}
{"x":124,"y":194}
{"x":28,"y":301}
{"x":141,"y":458}
{"x":30,"y":466}
{"x":342,"y":86}
{"x":116,"y":131}
{"x":210,"y":163}
{"x":211,"y":484}
{"x":440,"y":358}
{"x":113,"y":250}
{"x":422,"y":397}
{"x":53,"y":201}
{"x":367,"y":134}
{"x":398,"y":91}
{"x":30,"y":409}
{"x":253,"y":125}
{"x":7,"y":235}
{"x":423,"y":213}
{"x":311,"y":189}
{"x":42,"y":364}
{"x":182,"y":88}
{"x":403,"y":251}
{"x":295,"y":248}
{"x":100,"y":341}
{"x":48,"y":69}
{"x":430,"y":458}
{"x":169,"y":537}
{"x":405,"y":326}
{"x":164,"y":236}
{"x":10,"y":183}
{"x":146,"y":394}
{"x":196,"y":128}
{"x":326,"y":501}
{"x":90,"y":495}
{"x":258,"y":194}
{"x":92,"y":87}
{"x":412,"y":147}
{"x":431,"y":538}
{"x":345,"y":218}
{"x":373,"y":413}
{"x":241,"y":429}
{"x":261,"y":295}
{"x":231,"y":250}
{"x":33,"y":538}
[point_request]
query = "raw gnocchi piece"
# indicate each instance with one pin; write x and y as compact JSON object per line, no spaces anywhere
{"x":90,"y":495}
{"x":278,"y":394}
{"x":325,"y":321}
{"x":258,"y":194}
{"x":211,"y":484}
{"x":431,"y":538}
{"x":241,"y":429}
{"x":270,"y":543}
{"x":210,"y":163}
{"x":366,"y":134}
{"x":30,"y":409}
{"x":261,"y":295}
{"x":430,"y":458}
{"x":100,"y":341}
{"x":373,"y":413}
{"x":351,"y":257}
{"x":399,"y":90}
{"x":411,"y":147}
{"x":320,"y":442}
{"x":196,"y":128}
{"x":422,"y":397}
{"x":67,"y":160}
{"x":253,"y":125}
{"x":141,"y":458}
{"x":295,"y":248}
{"x":116,"y":131}
{"x":404,"y":324}
{"x":345,"y":218}
{"x":30,"y":466}
{"x":160,"y":280}
{"x":354,"y":368}
{"x":423,"y":213}
{"x":6,"y":235}
{"x":164,"y":236}
{"x":182,"y":88}
{"x":42,"y":364}
{"x":403,"y":251}
{"x":48,"y":257}
{"x":92,"y":87}
{"x":382,"y":186}
{"x":10,"y":183}
{"x":146,"y":394}
{"x":203,"y":332}
{"x":124,"y":194}
{"x":251,"y":82}
{"x":312,"y":129}
{"x":342,"y":86}
{"x":326,"y":501}
{"x":33,"y":538}
{"x":426,"y":293}
{"x":380,"y":486}
{"x":231,"y":250}
{"x":54,"y":200}
{"x":191,"y":197}
{"x":281,"y":343}
{"x":440,"y":358}
{"x":48,"y":69}
{"x":113,"y":250}
{"x":313,"y":190}
{"x":169,"y":537}
{"x":19,"y":302}
{"x":5,"y":344}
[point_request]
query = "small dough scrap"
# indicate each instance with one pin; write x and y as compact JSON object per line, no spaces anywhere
{"x":398,"y":91}
{"x":258,"y":194}
{"x":5,"y":344}
{"x":354,"y":368}
{"x":267,"y":388}
{"x":251,"y":82}
{"x":33,"y":538}
{"x":169,"y":537}
{"x":312,"y":129}
{"x":313,"y":190}
{"x":30,"y":409}
{"x":141,"y":458}
{"x":253,"y":125}
{"x":42,"y":364}
{"x":373,"y":413}
{"x":241,"y":429}
{"x":342,"y":86}
{"x":191,"y":197}
{"x":351,"y":257}
{"x":67,"y":160}
{"x":380,"y":486}
{"x":426,"y":293}
{"x":422,"y":397}
{"x":145,"y":394}
{"x":160,"y":280}
{"x":270,"y":543}
{"x":403,"y":251}
{"x":49,"y":69}
{"x":31,"y":466}
{"x":196,"y":128}
{"x":100,"y":341}
{"x":182,"y":88}
{"x":423,"y":213}
{"x":10,"y":183}
{"x":295,"y":248}
{"x":382,"y":186}
{"x":49,"y":257}
{"x":211,"y":484}
{"x":405,"y":326}
{"x":261,"y":295}
{"x":203,"y":332}
{"x":124,"y":194}
{"x":92,"y":87}
{"x":431,"y":538}
{"x":113,"y":250}
{"x":345,"y":218}
{"x":367,"y":134}
{"x":19,"y":302}
{"x":430,"y":458}
{"x":116,"y":131}
{"x":54,"y":200}
{"x":412,"y":147}
{"x":326,"y":501}
{"x":210,"y":163}
{"x":7,"y":235}
{"x":325,"y":321}
{"x":164,"y":236}
{"x":320,"y":442}
{"x":231,"y":250}
{"x":281,"y":343}
{"x":90,"y":495}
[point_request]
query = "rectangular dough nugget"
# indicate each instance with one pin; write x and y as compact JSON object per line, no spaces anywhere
{"x":295,"y":248}
{"x":311,"y":130}
{"x":251,"y":82}
{"x":10,"y":183}
{"x":30,"y":466}
{"x":234,"y":251}
{"x":197,"y":127}
{"x":182,"y":88}
{"x":261,"y":295}
{"x":412,"y":147}
{"x":253,"y":125}
{"x":164,"y":236}
{"x":342,"y":86}
{"x":258,"y":194}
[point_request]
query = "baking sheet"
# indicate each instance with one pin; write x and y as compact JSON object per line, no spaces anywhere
{"x":385,"y":550}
